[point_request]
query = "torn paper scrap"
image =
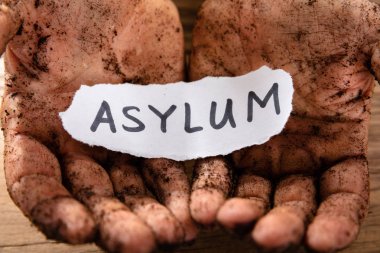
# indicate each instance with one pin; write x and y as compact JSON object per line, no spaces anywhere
{"x":182,"y":121}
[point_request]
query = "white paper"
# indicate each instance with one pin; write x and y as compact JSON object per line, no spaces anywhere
{"x":176,"y":143}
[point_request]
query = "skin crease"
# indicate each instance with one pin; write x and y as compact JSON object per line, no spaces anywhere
{"x":66,"y":188}
{"x":316,"y":169}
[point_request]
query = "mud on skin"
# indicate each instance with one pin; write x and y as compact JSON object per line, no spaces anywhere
{"x":331,"y":49}
{"x":66,"y":188}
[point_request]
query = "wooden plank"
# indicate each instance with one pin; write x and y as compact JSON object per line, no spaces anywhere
{"x":49,"y":248}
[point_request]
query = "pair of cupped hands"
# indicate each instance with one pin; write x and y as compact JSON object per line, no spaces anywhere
{"x":308,"y":184}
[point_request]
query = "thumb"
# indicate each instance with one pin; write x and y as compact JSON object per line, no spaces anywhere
{"x":10,"y":21}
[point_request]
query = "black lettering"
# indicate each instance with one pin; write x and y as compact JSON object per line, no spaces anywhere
{"x":104,"y":109}
{"x":188,"y":127}
{"x":228,"y":115}
{"x":263,"y":103}
{"x":140,"y":126}
{"x":164,"y":116}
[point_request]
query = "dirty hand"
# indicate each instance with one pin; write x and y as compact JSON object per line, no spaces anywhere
{"x":67,"y":188}
{"x":311,"y":180}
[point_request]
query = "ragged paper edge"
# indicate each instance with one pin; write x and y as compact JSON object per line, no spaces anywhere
{"x":173,"y":156}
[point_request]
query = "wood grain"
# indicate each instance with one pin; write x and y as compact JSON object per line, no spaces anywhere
{"x":18,"y":235}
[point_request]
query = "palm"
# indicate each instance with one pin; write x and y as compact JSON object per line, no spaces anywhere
{"x":59,"y":45}
{"x":327,"y":47}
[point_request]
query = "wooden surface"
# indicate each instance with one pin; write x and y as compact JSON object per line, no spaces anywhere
{"x":18,"y":235}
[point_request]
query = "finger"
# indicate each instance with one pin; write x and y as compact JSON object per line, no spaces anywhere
{"x":130,"y":188}
{"x":344,"y":191}
{"x":168,"y":181}
{"x":211,"y":184}
{"x":251,"y":201}
{"x":119,"y":229}
{"x":284,"y":225}
{"x":34,"y":182}
{"x":10,"y":21}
